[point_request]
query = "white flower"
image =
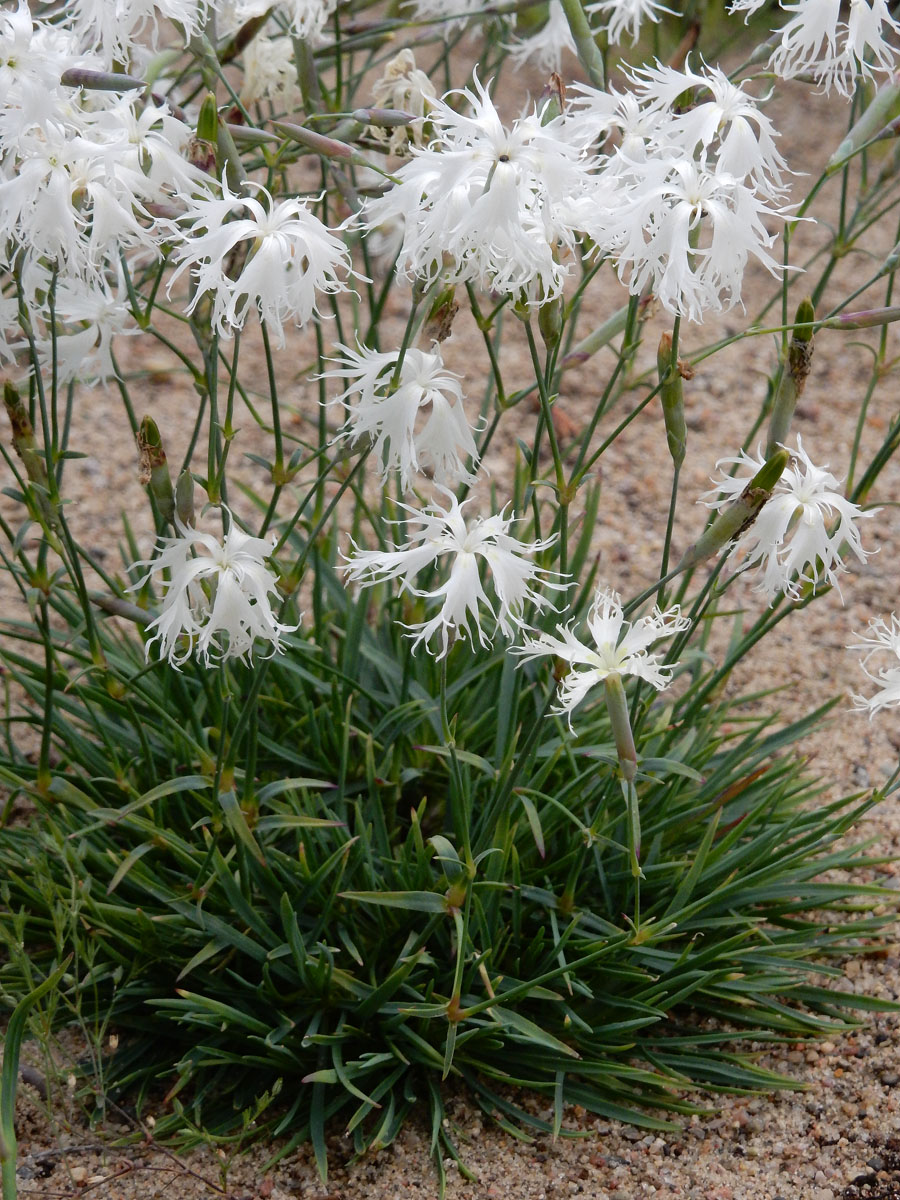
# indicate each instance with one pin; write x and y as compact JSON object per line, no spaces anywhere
{"x":683,"y":200}
{"x":489,"y":204}
{"x":88,"y":318}
{"x":270,"y":73}
{"x":305,"y":18}
{"x":444,"y":532}
{"x":689,"y":237}
{"x":625,"y":16}
{"x":790,"y":541}
{"x":612,"y":652}
{"x":882,"y":639}
{"x":816,"y":40}
{"x":724,"y":125}
{"x":453,"y":14}
{"x":214,"y":588}
{"x":74,"y":199}
{"x":404,"y":87}
{"x":390,"y":417}
{"x":114,"y":27}
{"x":291,"y":257}
{"x":545,"y":48}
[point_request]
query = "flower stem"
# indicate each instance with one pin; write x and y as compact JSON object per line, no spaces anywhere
{"x":582,"y":34}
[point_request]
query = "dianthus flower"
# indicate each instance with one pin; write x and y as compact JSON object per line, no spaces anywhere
{"x":270,"y":73}
{"x":442,"y":533}
{"x":419,"y":424}
{"x":687,"y":194}
{"x":545,"y":48}
{"x":215,"y":589}
{"x":616,"y":647}
{"x":625,"y":16}
{"x":458,"y":12}
{"x":882,"y":639}
{"x":816,"y":40}
{"x":306,"y":19}
{"x":404,"y":87}
{"x":291,"y":257}
{"x":489,"y":204}
{"x":795,"y":540}
{"x":115,"y":29}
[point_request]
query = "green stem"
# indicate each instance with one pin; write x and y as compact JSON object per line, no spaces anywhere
{"x":582,"y":34}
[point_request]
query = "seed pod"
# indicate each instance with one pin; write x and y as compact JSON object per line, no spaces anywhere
{"x":733,"y":520}
{"x":671,"y":395}
{"x":793,"y":378}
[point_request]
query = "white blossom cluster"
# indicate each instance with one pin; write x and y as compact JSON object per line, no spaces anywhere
{"x":679,"y":194}
{"x":94,"y":182}
{"x":833,"y":43}
{"x":680,"y":204}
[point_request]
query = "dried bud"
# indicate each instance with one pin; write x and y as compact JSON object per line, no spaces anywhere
{"x":153,"y":468}
{"x":28,"y":451}
{"x":793,"y":377}
{"x":439,"y":322}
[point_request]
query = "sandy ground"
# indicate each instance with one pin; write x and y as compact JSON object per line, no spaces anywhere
{"x":840,"y":1137}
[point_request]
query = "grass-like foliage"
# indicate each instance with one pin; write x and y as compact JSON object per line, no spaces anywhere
{"x":327,"y":936}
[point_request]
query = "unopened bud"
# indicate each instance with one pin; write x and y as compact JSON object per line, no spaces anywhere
{"x":100,"y":81}
{"x":550,"y":322}
{"x":884,"y":108}
{"x":733,"y":520}
{"x":671,"y":394}
{"x":385,"y":118}
{"x":793,"y":377}
{"x":184,"y":498}
{"x":153,"y":468}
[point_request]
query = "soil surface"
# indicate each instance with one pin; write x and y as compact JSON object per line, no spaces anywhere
{"x":837,"y":1137}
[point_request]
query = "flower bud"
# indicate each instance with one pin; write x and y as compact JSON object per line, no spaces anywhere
{"x":202,"y":152}
{"x":671,"y":395}
{"x":153,"y":468}
{"x":884,"y":108}
{"x":100,"y":81}
{"x":184,"y":498}
{"x":550,"y":322}
{"x":733,"y":520}
{"x":793,"y":377}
